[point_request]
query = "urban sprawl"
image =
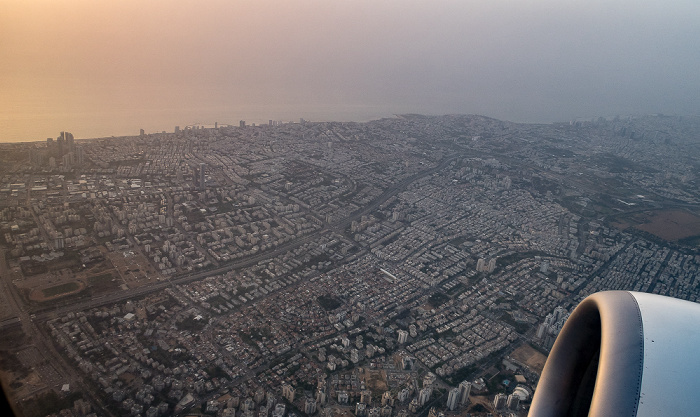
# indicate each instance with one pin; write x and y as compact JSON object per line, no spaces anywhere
{"x":408,"y":266}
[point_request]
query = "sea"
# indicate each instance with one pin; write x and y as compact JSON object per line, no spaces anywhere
{"x":33,"y":127}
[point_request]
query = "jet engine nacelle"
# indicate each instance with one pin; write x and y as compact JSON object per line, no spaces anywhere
{"x":624,"y":354}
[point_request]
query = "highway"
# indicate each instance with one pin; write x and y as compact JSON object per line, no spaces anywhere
{"x":337,"y":226}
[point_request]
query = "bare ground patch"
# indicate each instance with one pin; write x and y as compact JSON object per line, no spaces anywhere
{"x":671,"y":225}
{"x":530,"y":357}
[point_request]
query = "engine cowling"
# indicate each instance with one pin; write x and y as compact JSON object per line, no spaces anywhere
{"x":626,"y":354}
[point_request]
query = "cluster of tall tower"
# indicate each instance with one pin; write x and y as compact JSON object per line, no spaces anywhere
{"x":482,"y":265}
{"x":502,"y":401}
{"x":63,"y":151}
{"x":548,"y":331}
{"x":459,"y":395}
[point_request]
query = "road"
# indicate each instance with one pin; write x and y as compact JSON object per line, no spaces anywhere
{"x":338,"y":226}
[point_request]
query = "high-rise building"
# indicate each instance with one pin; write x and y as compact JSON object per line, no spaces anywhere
{"x":499,"y":401}
{"x":241,"y":123}
{"x":79,"y":155}
{"x":70,"y":141}
{"x":414,"y":405}
{"x":177,"y":129}
{"x":453,"y":399}
{"x":201,"y":175}
{"x":259,"y":395}
{"x":403,"y":336}
{"x":465,"y":388}
{"x":513,"y":402}
{"x":404,"y":394}
{"x":310,"y":406}
{"x":50,"y":147}
{"x":321,"y":396}
{"x":492,"y":265}
{"x":60,"y":142}
{"x":424,"y":396}
{"x":288,"y":392}
{"x":67,"y":160}
{"x":429,"y":380}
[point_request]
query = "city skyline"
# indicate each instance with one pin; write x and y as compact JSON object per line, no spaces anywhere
{"x":110,"y":69}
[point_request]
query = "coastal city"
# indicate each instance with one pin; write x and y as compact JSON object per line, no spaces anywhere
{"x":408,"y":266}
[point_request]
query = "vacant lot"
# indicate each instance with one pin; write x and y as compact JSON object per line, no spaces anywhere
{"x":376,"y":380}
{"x":103,"y":283}
{"x":529,"y":356}
{"x":671,"y":225}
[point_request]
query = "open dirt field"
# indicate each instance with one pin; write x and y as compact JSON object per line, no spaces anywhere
{"x":530,"y":357}
{"x":671,"y":225}
{"x":133,"y":269}
{"x":376,"y":380}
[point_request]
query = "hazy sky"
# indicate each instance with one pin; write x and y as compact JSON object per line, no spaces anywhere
{"x":64,"y":62}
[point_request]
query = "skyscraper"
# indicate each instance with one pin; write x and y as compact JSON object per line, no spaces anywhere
{"x":513,"y":402}
{"x":424,"y":396}
{"x":79,"y":155}
{"x":453,"y":399}
{"x":70,"y":141}
{"x":201,"y":175}
{"x":310,"y":406}
{"x":50,"y":147}
{"x":60,"y":142}
{"x":288,"y":392}
{"x":499,"y":401}
{"x":465,"y":388}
